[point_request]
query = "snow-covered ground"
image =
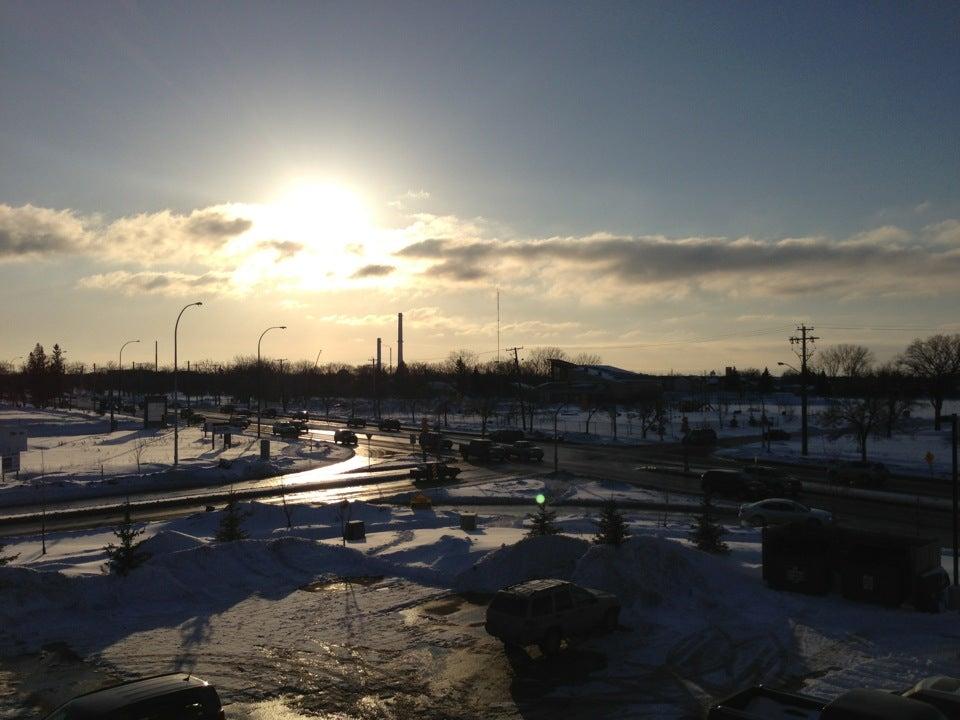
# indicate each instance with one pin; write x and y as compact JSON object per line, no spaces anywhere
{"x":292,"y":621}
{"x":72,"y":454}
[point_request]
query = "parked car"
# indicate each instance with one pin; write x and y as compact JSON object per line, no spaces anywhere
{"x":178,"y":695}
{"x":700,"y":437}
{"x":525,"y":450}
{"x":389,"y":425}
{"x":483,"y":450}
{"x":288,"y":429}
{"x":763,"y":703}
{"x":356,"y":422}
{"x":730,"y":484}
{"x":506,"y":436}
{"x":775,"y":511}
{"x":346,"y":437}
{"x":302,"y":415}
{"x":268,"y":412}
{"x":239,"y":421}
{"x":437,"y":471}
{"x":773,"y":480}
{"x":544,"y":612}
{"x":245,"y":412}
{"x":857,"y":473}
{"x":545,"y":436}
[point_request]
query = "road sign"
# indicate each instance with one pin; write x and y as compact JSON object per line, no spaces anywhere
{"x":12,"y":440}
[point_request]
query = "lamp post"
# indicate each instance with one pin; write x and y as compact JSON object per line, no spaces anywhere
{"x":955,"y":591}
{"x":113,"y":424}
{"x":803,"y":403}
{"x":260,"y":373}
{"x":555,"y":437}
{"x":176,"y":414}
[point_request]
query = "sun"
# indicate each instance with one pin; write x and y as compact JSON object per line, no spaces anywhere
{"x":323,"y":216}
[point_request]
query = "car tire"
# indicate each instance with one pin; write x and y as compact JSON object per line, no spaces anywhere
{"x":550,"y":643}
{"x":611,"y":619}
{"x":758,"y":521}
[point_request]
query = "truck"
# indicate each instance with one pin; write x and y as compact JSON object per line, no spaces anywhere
{"x":434,"y":442}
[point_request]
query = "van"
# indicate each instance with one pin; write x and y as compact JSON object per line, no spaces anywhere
{"x":177,"y":696}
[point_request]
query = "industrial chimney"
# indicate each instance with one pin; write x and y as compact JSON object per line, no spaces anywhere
{"x":399,"y":342}
{"x":379,"y":356}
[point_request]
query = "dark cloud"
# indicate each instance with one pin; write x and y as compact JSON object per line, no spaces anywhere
{"x":456,"y":270}
{"x":166,"y":283}
{"x":284,"y":248}
{"x":216,"y":225}
{"x":373,"y":271}
{"x":30,"y":231}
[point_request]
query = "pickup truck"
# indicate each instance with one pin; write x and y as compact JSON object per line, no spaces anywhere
{"x":434,"y":442}
{"x":483,"y":450}
{"x":437,"y":471}
{"x":762,"y":703}
{"x":524,"y":450}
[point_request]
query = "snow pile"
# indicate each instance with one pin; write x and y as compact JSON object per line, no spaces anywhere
{"x":548,"y":556}
{"x":651,"y":571}
{"x":170,"y":541}
{"x":447,"y":556}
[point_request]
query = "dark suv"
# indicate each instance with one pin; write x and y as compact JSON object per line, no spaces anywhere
{"x":544,"y":612}
{"x":164,"y":697}
{"x":731,"y":484}
{"x":389,"y":424}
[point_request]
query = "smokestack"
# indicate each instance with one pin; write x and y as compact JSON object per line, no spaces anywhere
{"x":399,"y":341}
{"x":379,"y":356}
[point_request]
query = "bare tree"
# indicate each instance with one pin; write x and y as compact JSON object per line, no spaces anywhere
{"x":895,"y":388}
{"x":936,"y":362}
{"x":586,"y":358}
{"x":858,"y":416}
{"x":538,"y":359}
{"x":845,"y":360}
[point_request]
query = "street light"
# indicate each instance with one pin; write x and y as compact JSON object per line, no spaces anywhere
{"x":260,"y":373}
{"x":176,"y":414}
{"x":113,"y":424}
{"x":803,"y":403}
{"x":555,"y":437}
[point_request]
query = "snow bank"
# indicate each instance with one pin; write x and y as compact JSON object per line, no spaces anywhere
{"x":549,"y":556}
{"x":170,"y":541}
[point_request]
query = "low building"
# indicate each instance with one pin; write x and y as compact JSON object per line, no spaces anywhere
{"x":597,"y":385}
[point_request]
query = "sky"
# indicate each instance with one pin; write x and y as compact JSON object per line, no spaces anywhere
{"x":670,"y":185}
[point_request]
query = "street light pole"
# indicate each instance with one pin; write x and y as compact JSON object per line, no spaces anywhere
{"x":556,"y":461}
{"x":260,"y":373}
{"x":113,"y":424}
{"x":956,"y":498}
{"x":176,"y":414}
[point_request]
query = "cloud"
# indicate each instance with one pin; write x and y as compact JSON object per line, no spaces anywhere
{"x":285,"y":249}
{"x":153,"y":282}
{"x":373,"y":271}
{"x":886,"y":259}
{"x":34,"y":232}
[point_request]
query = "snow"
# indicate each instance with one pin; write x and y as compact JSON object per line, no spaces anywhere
{"x":72,"y":455}
{"x":697,"y":626}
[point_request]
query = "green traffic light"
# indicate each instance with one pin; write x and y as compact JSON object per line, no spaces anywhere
{"x":541,"y":499}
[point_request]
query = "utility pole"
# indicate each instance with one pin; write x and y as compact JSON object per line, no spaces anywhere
{"x":516,"y":365}
{"x":373,"y":374}
{"x":156,"y":360}
{"x":804,"y":355}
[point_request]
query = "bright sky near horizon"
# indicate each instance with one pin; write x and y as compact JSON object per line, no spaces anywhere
{"x":635,"y":177}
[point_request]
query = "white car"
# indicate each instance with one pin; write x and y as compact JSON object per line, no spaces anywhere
{"x":781,"y":510}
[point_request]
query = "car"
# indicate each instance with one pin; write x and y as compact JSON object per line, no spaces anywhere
{"x":389,"y":424}
{"x":437,"y":471}
{"x":857,"y":473}
{"x":346,"y":437}
{"x":773,"y":480}
{"x":434,"y":442}
{"x":227,"y":409}
{"x":302,"y":415}
{"x":525,"y":450}
{"x":700,"y":437}
{"x":506,"y":436}
{"x":545,"y":612}
{"x":730,"y":483}
{"x":483,"y":450}
{"x":288,"y":429}
{"x":245,"y":412}
{"x":177,"y":695}
{"x":268,"y":412}
{"x":777,"y":434}
{"x":545,"y":436}
{"x":775,"y":511}
{"x":356,"y":422}
{"x":240,"y":421}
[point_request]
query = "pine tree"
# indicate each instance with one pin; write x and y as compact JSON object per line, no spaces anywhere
{"x":56,"y":372}
{"x":231,"y":524}
{"x":542,"y":521}
{"x":37,"y":376}
{"x":706,"y":533}
{"x":126,"y":556}
{"x":611,"y":528}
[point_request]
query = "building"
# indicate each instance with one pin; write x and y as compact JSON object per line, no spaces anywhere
{"x":597,"y":385}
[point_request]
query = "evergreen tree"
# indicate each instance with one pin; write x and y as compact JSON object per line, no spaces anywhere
{"x":126,"y":556}
{"x":56,"y":372}
{"x":611,"y":528}
{"x":231,"y":524}
{"x":37,"y":376}
{"x":542,"y":521}
{"x":706,"y":533}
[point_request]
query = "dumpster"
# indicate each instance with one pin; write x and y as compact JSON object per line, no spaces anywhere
{"x":468,"y":521}
{"x":354,"y":531}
